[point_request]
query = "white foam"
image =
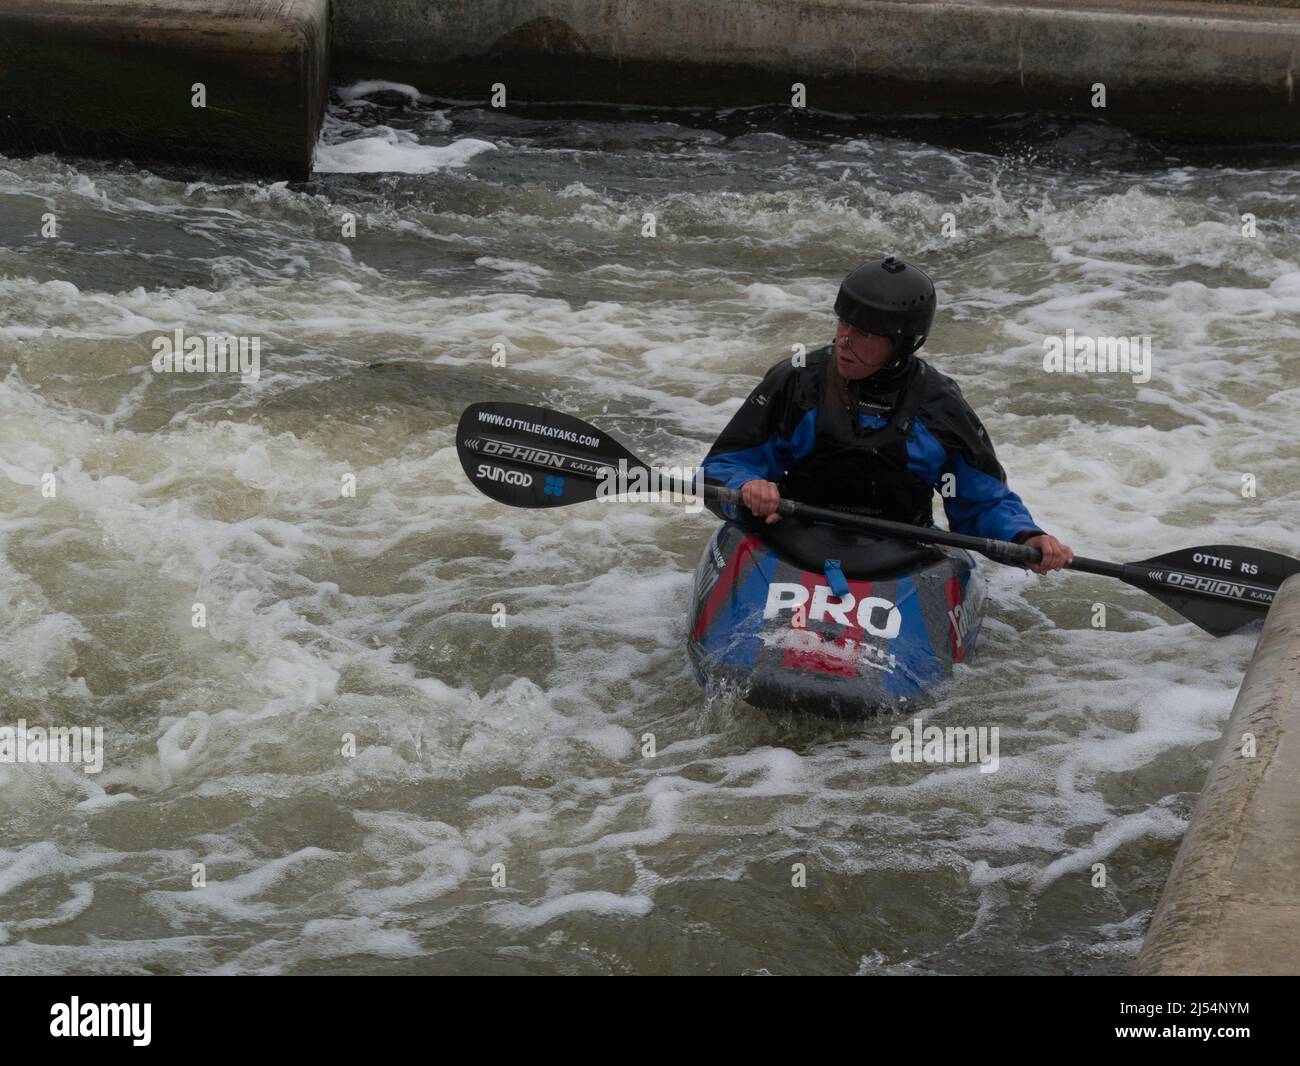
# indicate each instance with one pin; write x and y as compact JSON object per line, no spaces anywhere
{"x":234,"y":898}
{"x":360,"y":89}
{"x":396,"y":152}
{"x":601,"y":903}
{"x":370,"y":616}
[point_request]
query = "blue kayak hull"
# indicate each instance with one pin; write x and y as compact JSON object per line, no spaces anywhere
{"x":770,"y":624}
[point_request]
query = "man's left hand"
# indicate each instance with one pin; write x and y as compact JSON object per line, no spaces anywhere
{"x":1055,"y":554}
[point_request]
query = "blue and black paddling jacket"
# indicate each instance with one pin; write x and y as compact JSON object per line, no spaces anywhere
{"x":913,"y":434}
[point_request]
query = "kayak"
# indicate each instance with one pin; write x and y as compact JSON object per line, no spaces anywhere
{"x":821,"y":619}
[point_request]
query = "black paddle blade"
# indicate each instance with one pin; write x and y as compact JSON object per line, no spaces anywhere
{"x":528,"y":456}
{"x":1219,"y":587}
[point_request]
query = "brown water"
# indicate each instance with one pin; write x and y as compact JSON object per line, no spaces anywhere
{"x":371,"y":615}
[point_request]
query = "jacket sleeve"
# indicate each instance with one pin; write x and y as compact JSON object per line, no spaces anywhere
{"x":973,"y":485}
{"x":756,"y":442}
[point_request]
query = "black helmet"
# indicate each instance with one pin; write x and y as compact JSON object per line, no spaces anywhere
{"x":889,"y":299}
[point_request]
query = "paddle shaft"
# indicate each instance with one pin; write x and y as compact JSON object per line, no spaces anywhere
{"x":1001,"y":550}
{"x":534,"y":438}
{"x":1146,"y":576}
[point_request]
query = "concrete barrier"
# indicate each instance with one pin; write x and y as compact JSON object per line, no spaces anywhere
{"x":1182,"y":67}
{"x":1232,"y":903}
{"x":115,"y":78}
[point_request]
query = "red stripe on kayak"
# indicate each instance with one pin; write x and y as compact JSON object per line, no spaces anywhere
{"x":952,"y":593}
{"x":815,"y":659}
{"x":726,"y":580}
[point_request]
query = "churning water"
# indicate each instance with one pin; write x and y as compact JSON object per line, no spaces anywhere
{"x":371,"y":615}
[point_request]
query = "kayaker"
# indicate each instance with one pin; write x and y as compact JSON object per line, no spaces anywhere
{"x":866,"y":426}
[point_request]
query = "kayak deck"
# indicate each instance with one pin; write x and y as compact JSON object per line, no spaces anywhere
{"x":874,"y":633}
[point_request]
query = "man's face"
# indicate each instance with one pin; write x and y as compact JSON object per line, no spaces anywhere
{"x":859,"y":355}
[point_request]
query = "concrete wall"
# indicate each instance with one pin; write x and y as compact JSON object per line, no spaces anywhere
{"x":1232,"y":903}
{"x":113,"y":78}
{"x":1207,"y":68}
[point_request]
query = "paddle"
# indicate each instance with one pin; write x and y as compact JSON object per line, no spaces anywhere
{"x":527,"y":456}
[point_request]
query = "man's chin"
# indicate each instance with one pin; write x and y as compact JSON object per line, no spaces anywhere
{"x":857,"y":373}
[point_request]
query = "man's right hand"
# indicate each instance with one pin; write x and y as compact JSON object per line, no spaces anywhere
{"x":762,"y":498}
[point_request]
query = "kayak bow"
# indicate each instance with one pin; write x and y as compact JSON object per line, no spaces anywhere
{"x":814,"y":618}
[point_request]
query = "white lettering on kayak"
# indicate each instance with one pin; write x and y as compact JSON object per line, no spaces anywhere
{"x":822,"y":607}
{"x":877,"y":616}
{"x":846,"y":652}
{"x":960,"y":622}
